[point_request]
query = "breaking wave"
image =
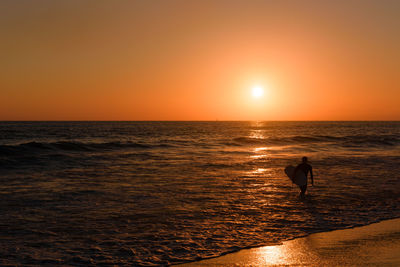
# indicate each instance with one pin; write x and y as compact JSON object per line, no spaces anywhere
{"x":344,"y":141}
{"x":71,"y":146}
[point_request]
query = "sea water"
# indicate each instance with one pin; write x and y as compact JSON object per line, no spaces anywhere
{"x":159,"y":193}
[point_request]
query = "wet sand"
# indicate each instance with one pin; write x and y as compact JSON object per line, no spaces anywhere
{"x":376,"y":244}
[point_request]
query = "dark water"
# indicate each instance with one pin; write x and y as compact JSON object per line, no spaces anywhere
{"x":158,"y":193}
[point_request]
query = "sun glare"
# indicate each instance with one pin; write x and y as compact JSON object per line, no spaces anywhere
{"x":257,"y":91}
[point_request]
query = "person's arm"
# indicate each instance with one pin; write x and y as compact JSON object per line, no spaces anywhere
{"x":312,"y":177}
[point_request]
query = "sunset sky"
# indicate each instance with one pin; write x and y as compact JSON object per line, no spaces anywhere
{"x":200,"y":60}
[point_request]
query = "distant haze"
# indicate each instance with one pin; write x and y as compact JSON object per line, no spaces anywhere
{"x":199,"y":60}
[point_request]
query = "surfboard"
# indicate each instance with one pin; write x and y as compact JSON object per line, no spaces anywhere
{"x":300,"y":178}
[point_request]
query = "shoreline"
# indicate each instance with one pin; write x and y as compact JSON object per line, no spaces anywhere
{"x":372,"y":244}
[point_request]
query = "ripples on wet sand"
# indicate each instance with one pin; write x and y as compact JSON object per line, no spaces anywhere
{"x":373,"y":245}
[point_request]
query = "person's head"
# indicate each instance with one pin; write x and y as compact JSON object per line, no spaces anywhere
{"x":304,"y":159}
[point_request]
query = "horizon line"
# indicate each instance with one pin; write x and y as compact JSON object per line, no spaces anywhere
{"x":199,"y":120}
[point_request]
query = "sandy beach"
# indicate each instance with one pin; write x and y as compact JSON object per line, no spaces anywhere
{"x":376,"y":244}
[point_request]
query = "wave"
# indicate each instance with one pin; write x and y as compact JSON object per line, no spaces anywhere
{"x":72,"y":146}
{"x":345,"y":141}
{"x":349,"y":141}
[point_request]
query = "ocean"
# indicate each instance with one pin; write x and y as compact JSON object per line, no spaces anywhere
{"x":162,"y":193}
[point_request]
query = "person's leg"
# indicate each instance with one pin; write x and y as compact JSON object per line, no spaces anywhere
{"x":303,"y":190}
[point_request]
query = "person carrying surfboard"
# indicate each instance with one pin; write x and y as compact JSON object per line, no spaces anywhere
{"x":305,"y":168}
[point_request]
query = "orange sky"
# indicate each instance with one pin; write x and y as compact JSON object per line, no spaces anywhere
{"x":198,"y":60}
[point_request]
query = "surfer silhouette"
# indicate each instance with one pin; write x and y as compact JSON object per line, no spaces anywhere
{"x":305,"y":168}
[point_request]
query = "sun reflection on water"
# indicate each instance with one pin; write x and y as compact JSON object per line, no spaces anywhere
{"x":297,"y":252}
{"x":258,"y":156}
{"x":272,"y":255}
{"x":259,"y":152}
{"x":259,"y":170}
{"x":258,"y":149}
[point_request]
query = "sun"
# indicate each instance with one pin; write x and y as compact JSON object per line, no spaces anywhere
{"x":257,"y":91}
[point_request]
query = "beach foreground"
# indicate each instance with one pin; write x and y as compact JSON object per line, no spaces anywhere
{"x":377,"y":244}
